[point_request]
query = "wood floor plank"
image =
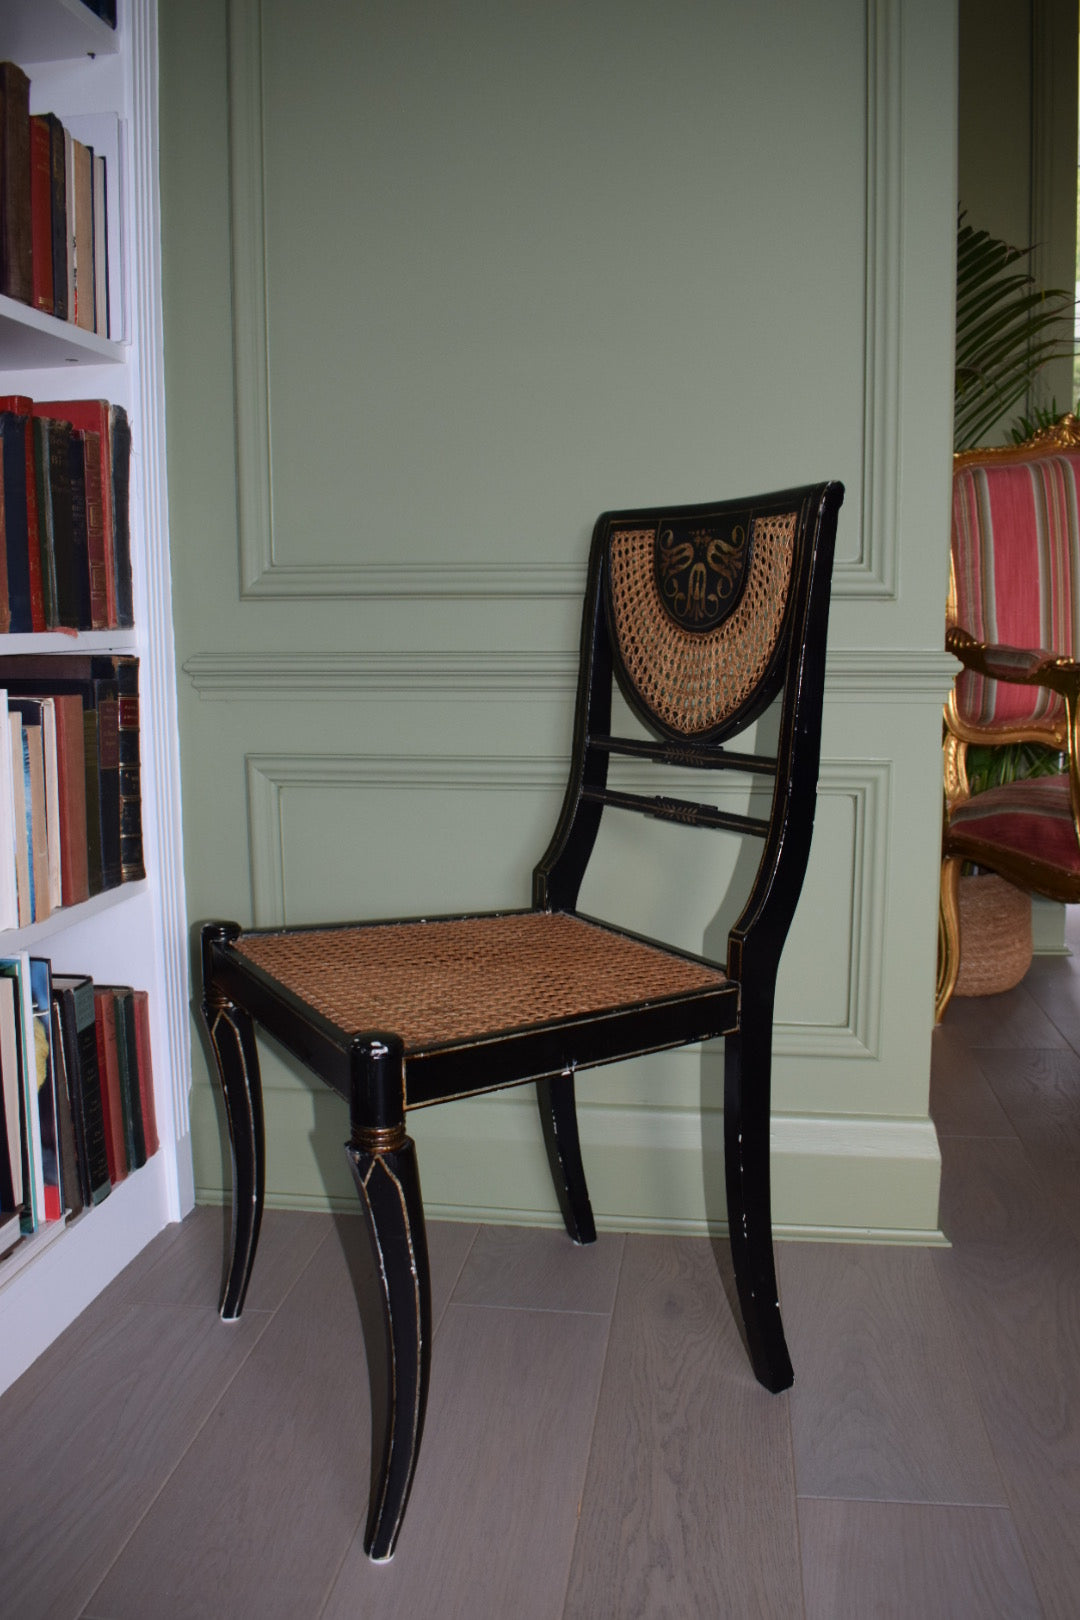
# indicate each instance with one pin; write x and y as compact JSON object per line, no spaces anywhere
{"x":490,"y":1526}
{"x":80,"y":1463}
{"x":895,"y":1561}
{"x":1012,"y":1019}
{"x":1054,"y":983}
{"x":540,"y":1268}
{"x":1040,"y":1092}
{"x":689,"y":1506}
{"x":1012,"y":1279}
{"x":962,"y":1101}
{"x":258,"y":1516}
{"x":882,"y":1405}
{"x":191,"y":1270}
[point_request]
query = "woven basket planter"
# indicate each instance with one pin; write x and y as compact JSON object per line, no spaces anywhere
{"x":995,"y":935}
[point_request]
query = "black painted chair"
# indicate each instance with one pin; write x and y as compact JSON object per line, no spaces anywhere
{"x":705,"y":615}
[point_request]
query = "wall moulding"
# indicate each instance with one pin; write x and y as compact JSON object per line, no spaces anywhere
{"x":853,"y":674}
{"x":864,"y":783}
{"x":871,"y":572}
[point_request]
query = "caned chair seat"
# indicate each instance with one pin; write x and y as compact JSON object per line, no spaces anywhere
{"x":705,"y":616}
{"x":455,"y":980}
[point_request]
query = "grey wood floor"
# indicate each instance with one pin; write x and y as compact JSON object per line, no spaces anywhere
{"x":596,"y":1446}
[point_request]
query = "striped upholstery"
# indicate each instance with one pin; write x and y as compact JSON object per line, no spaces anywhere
{"x":1016,"y":562}
{"x":1031,"y":818}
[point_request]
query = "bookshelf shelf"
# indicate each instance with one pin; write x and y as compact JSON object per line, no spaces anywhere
{"x":61,"y":641}
{"x":35,"y":935}
{"x":134,"y":934}
{"x":33,"y":31}
{"x":32,"y":341}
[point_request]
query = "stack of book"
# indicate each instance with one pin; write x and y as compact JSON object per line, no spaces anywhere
{"x":54,"y":208}
{"x":70,"y":781}
{"x":65,"y":544}
{"x":77,"y":1093}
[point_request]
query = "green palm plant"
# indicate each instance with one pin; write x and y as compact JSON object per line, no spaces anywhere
{"x":1007,"y":330}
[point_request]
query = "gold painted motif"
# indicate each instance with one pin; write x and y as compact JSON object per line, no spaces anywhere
{"x":700,"y":572}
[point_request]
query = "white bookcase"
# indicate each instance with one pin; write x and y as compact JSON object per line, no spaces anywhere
{"x":81,"y":69}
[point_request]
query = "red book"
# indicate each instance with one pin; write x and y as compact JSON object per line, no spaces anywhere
{"x":92,"y":415}
{"x":146,"y":1071}
{"x":41,"y":213}
{"x":109,"y":1065}
{"x":71,"y":770}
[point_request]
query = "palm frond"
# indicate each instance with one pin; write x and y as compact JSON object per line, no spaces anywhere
{"x":1007,"y":330}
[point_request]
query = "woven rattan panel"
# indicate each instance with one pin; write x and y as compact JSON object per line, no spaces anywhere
{"x":694,"y":679}
{"x":436,"y":982}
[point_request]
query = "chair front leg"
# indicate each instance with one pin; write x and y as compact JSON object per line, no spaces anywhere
{"x":383,"y":1164}
{"x":948,"y":969}
{"x":232,"y":1038}
{"x":747,"y":1066}
{"x":558,"y":1117}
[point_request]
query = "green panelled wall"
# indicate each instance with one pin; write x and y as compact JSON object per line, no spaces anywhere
{"x":442,"y":282}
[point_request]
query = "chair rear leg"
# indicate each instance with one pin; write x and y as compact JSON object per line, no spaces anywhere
{"x":383,"y":1165}
{"x":558,"y":1117}
{"x":747,"y":1060}
{"x":232,"y":1038}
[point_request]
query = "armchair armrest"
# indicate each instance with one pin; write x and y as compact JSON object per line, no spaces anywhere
{"x":1022,"y":666}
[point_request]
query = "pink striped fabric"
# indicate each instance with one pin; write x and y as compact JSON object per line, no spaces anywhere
{"x":1016,"y":558}
{"x":1032,"y":818}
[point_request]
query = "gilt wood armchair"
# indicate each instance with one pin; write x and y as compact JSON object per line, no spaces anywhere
{"x":1014,"y":623}
{"x":704,"y":615}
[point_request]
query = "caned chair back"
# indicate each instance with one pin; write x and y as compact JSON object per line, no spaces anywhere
{"x":703,"y":615}
{"x":1015,"y":573}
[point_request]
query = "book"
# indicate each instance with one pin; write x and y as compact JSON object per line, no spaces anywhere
{"x":71,"y":797}
{"x":123,"y":1013}
{"x":73,"y":996}
{"x":13,"y":440}
{"x":101,"y":244}
{"x":52,"y":436}
{"x":10,"y":1084}
{"x":69,"y":219}
{"x":82,"y":232}
{"x":45,"y":1085}
{"x":71,"y":1181}
{"x":78,"y":592}
{"x":40,"y":712}
{"x":94,"y":677}
{"x":33,"y":754}
{"x":120,"y":444}
{"x":41,"y":233}
{"x":132,"y":866}
{"x":23,"y":875}
{"x":112,"y":1102}
{"x":97,"y":582}
{"x":17,"y":969}
{"x":58,"y":211}
{"x":93,"y":417}
{"x":16,"y":266}
{"x":9,"y":891}
{"x":141,"y":999}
